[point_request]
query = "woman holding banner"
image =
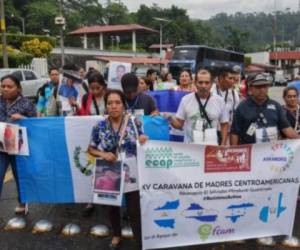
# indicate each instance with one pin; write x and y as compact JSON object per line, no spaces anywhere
{"x":112,"y":139}
{"x":13,"y":107}
{"x":92,"y":103}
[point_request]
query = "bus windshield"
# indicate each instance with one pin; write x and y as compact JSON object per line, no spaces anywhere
{"x":185,"y":54}
{"x":196,"y":57}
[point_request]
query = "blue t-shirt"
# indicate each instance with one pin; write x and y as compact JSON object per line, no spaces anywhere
{"x":68,"y":91}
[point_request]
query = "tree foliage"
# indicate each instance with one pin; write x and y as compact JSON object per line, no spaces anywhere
{"x":37,"y":48}
{"x":239,"y":31}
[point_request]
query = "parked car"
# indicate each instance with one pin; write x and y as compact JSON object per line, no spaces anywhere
{"x":280,"y":79}
{"x":29,"y":80}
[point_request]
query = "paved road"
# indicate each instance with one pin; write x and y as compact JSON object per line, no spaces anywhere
{"x":60,"y":215}
{"x":276,"y":94}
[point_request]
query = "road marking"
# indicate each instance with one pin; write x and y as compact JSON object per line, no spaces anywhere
{"x":8,"y":176}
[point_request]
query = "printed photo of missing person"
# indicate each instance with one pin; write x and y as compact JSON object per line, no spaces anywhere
{"x":128,"y":178}
{"x":11,"y":139}
{"x":107,"y":176}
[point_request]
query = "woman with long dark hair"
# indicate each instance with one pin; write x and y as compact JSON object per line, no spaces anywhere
{"x":114,"y":138}
{"x":186,"y":82}
{"x":13,"y":107}
{"x":291,"y":107}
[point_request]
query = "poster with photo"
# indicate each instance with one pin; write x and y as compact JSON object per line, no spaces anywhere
{"x":23,"y":142}
{"x":108,"y":183}
{"x":9,"y":138}
{"x":68,"y":93}
{"x":131,"y":174}
{"x":115,"y":73}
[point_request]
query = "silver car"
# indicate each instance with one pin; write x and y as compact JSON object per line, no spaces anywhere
{"x":29,"y":80}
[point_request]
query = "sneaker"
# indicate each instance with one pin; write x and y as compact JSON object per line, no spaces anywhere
{"x":266,"y":241}
{"x":22,"y":208}
{"x":291,"y":242}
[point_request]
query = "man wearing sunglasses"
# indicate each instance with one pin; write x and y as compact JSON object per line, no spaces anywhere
{"x":202,"y":113}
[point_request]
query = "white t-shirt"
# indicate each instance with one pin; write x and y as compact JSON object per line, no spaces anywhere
{"x":232,"y":99}
{"x":189,"y":111}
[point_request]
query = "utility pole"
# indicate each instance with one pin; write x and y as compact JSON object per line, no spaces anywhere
{"x":62,"y":46}
{"x":274,"y":33}
{"x":3,"y":34}
{"x":60,"y":20}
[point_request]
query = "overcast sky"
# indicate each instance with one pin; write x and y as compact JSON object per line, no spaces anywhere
{"x":204,"y":9}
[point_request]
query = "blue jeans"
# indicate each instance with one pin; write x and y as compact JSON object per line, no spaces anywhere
{"x":5,"y":160}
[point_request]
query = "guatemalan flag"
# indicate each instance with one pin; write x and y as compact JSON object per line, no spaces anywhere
{"x":59,"y":169}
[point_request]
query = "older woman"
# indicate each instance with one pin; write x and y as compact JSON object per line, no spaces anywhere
{"x":186,"y":82}
{"x":292,"y":111}
{"x":111,"y":139}
{"x":13,"y":106}
{"x":292,"y":108}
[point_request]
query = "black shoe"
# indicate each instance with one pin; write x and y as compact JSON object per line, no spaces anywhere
{"x":88,"y":211}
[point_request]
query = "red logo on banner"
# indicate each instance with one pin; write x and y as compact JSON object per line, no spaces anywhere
{"x":231,"y":159}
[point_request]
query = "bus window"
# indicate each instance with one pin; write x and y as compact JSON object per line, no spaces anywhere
{"x":185,"y":54}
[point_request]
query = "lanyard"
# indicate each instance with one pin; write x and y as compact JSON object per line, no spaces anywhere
{"x":96,"y":105}
{"x":261,"y":120}
{"x":297,"y":118}
{"x":226,"y":95}
{"x":133,"y":107}
{"x":202,"y":108}
{"x":115,"y":134}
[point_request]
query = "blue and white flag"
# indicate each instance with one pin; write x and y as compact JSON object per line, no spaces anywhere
{"x":59,"y":169}
{"x":168,"y":101}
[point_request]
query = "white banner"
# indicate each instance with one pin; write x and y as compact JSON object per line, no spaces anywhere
{"x":195,"y":194}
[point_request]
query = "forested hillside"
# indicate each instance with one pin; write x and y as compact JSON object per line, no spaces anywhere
{"x":241,"y":32}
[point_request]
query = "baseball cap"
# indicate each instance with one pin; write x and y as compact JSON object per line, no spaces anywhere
{"x":258,"y":80}
{"x":73,"y":75}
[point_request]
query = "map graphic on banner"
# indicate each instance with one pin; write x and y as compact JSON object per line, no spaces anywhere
{"x":195,"y":194}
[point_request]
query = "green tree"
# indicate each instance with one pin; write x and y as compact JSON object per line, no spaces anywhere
{"x":236,"y":38}
{"x":116,"y":13}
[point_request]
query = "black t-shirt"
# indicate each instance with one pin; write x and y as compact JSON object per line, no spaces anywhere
{"x":142,"y":101}
{"x":291,"y":117}
{"x":249,"y":111}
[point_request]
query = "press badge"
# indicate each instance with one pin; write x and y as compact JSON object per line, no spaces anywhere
{"x":269,"y":134}
{"x":206,"y":137}
{"x":252,"y":128}
{"x":199,"y":125}
{"x":271,"y":106}
{"x":138,"y":112}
